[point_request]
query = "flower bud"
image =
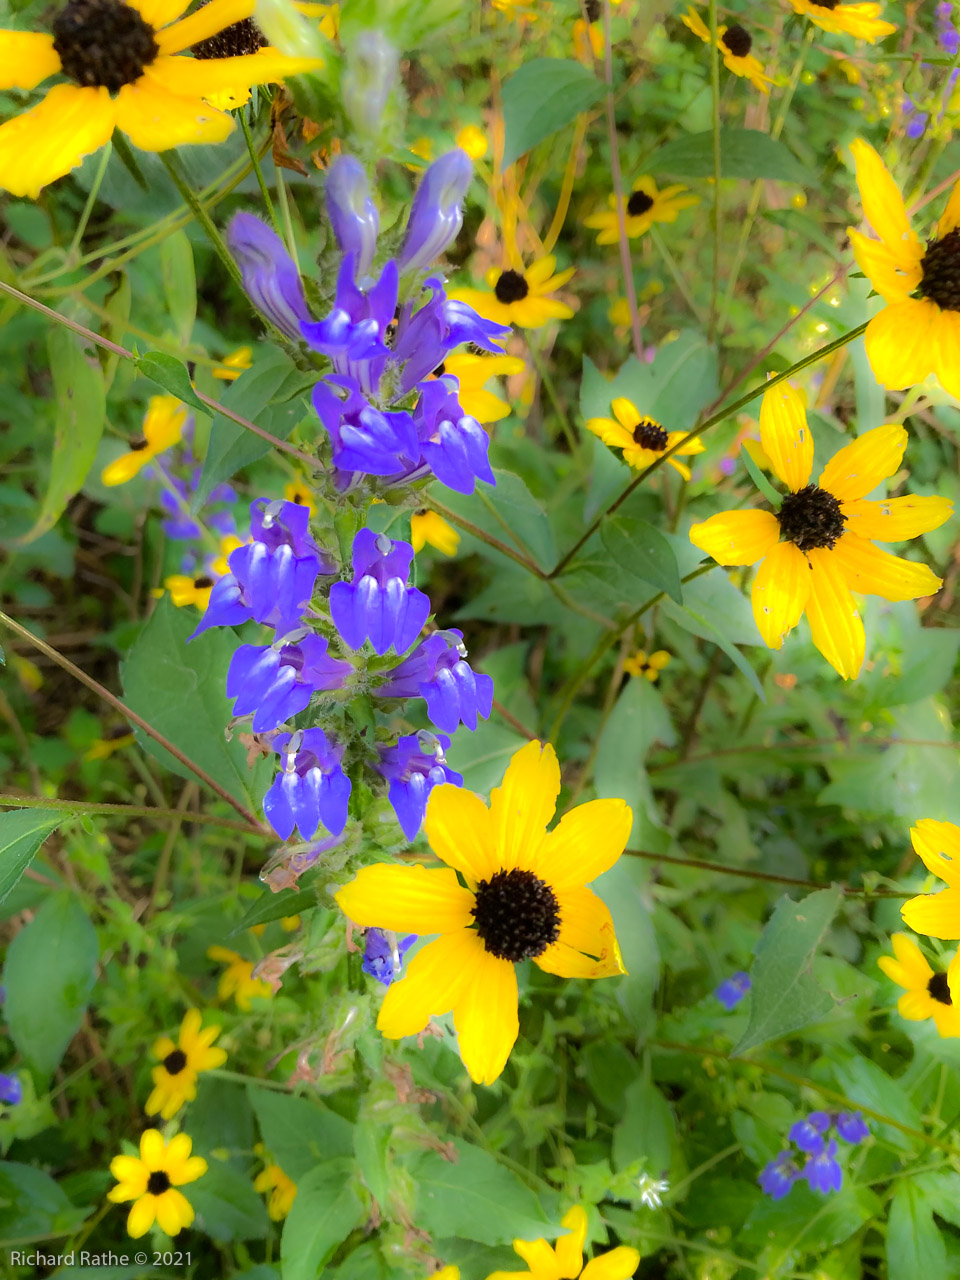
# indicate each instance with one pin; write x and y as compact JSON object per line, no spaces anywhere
{"x":436,"y":216}
{"x":288,"y":30}
{"x":351,"y":211}
{"x":270,"y":275}
{"x":369,"y":77}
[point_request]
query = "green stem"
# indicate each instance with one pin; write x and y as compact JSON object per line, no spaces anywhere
{"x":91,"y":201}
{"x":284,"y":201}
{"x":255,"y":161}
{"x":715,"y":89}
{"x":677,"y":275}
{"x":549,"y":386}
{"x":123,"y":811}
{"x":197,"y":207}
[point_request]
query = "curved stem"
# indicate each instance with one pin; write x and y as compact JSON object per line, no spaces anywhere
{"x":10,"y":801}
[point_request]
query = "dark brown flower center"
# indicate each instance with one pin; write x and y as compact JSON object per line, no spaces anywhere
{"x":941,"y":272}
{"x":511,"y":287}
{"x":939,"y":988}
{"x":825,"y":4}
{"x":593,"y":10}
{"x":202,"y":582}
{"x":811,"y":518}
{"x":174,"y":1062}
{"x":639,"y":203}
{"x":103,"y":43}
{"x":232,"y":42}
{"x":649,"y":434}
{"x":517,"y":915}
{"x":137,"y":444}
{"x":737,"y":41}
{"x":158,"y":1183}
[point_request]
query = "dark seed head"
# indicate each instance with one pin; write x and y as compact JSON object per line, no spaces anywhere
{"x":649,"y":434}
{"x":811,"y":518}
{"x":137,"y":444}
{"x":158,"y":1183}
{"x":639,"y":203}
{"x":825,"y":4}
{"x":593,"y":10}
{"x":232,"y":42}
{"x":939,"y":988}
{"x":737,"y":41}
{"x":174,"y":1062}
{"x":103,"y":43}
{"x":203,"y":582}
{"x":517,"y":915}
{"x":511,"y":287}
{"x":941,"y":272}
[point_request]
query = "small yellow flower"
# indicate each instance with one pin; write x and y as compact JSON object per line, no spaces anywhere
{"x":639,"y":664}
{"x":175,"y":1079}
{"x":473,"y":372}
{"x":234,"y":364}
{"x":290,"y":924}
{"x":735,"y":44}
{"x":283,"y":1191}
{"x":646,"y":205}
{"x":619,"y":313}
{"x":862,"y":21}
{"x":937,"y":844}
{"x":587,"y":41}
{"x":237,"y":979}
{"x":162,"y":428}
{"x":520,"y":297}
{"x":564,"y":1260}
{"x":186,"y":589}
{"x":329,"y":15}
{"x":27,"y":672}
{"x":642,"y":439}
{"x":151,"y":1182}
{"x":516,"y":10}
{"x":429,"y":527}
{"x":298,"y":492}
{"x":114,"y":740}
{"x":473,"y":141}
{"x":927,"y":994}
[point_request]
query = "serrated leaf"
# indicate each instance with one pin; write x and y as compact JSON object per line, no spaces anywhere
{"x":744,"y":153}
{"x":22,"y":832}
{"x":543,"y":96}
{"x":325,"y":1211}
{"x":642,"y":552}
{"x":171,"y":374}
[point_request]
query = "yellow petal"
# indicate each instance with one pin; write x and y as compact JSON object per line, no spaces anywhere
{"x":539,"y":1257}
{"x":540,"y":271}
{"x":178,"y":1151}
{"x":460,"y":831}
{"x":937,"y":845}
{"x":737,"y":537}
{"x":915,"y":1006}
{"x":834,"y":621}
{"x":43,"y":144}
{"x":883,"y":205}
{"x":693,"y":20}
{"x":569,"y":1248}
{"x":688,"y":445}
{"x":523,"y":804}
{"x":131,"y":1170}
{"x":901,"y":343}
{"x":406,"y":899}
{"x":785,"y":436}
{"x":935,"y":914}
{"x":873,"y":572}
{"x":894,"y":271}
{"x":485,"y":1016}
{"x":946,"y":364}
{"x":626,"y":413}
{"x":124,"y":468}
{"x":911,"y":959}
{"x":432,"y":985}
{"x":953,"y":981}
{"x":857,"y":468}
{"x":26,"y":58}
{"x":202,"y":77}
{"x":155,"y":120}
{"x":780,"y":592}
{"x":586,"y":842}
{"x":950,"y":218}
{"x":173,"y":1212}
{"x":897,"y":519}
{"x":189,"y":1171}
{"x":610,"y":432}
{"x":618,"y":1264}
{"x":534,"y":312}
{"x":152,"y":1149}
{"x":586,"y":926}
{"x":141,"y":1217}
{"x":159,"y":13}
{"x":204,"y":23}
{"x":946,"y":1018}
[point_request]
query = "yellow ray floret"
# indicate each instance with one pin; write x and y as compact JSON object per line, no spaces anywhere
{"x":151,"y":1180}
{"x":926,"y":992}
{"x":163,"y":426}
{"x":642,"y":439}
{"x":645,"y":205}
{"x":937,"y":844}
{"x":429,"y":528}
{"x":862,"y":21}
{"x":564,"y":1260}
{"x":521,"y":297}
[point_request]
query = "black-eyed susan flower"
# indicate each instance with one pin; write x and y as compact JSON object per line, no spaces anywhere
{"x":297,"y":491}
{"x":163,"y":426}
{"x":472,"y":373}
{"x":232,"y":365}
{"x":817,"y":548}
{"x":428,"y":528}
{"x":520,"y":297}
{"x":125,"y":68}
{"x":937,"y":845}
{"x":151,"y":1180}
{"x":862,"y":21}
{"x":175,"y":1079}
{"x":647,"y":665}
{"x":237,"y":979}
{"x":646,"y":205}
{"x":642,"y":439}
{"x":735,"y":44}
{"x":511,"y":891}
{"x":281,"y":1191}
{"x":564,"y":1260}
{"x":473,"y":141}
{"x":195,"y":588}
{"x":926,"y":991}
{"x":918,"y":331}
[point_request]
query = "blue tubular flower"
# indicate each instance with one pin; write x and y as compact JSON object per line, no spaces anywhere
{"x":822,"y":1170}
{"x":381,"y":959}
{"x":436,"y":215}
{"x":851,"y":1126}
{"x":353,"y":334}
{"x":438,"y":671}
{"x":363,"y":438}
{"x":11,"y":1090}
{"x":351,"y":211}
{"x":276,"y":681}
{"x":732,"y":990}
{"x":413,"y":768}
{"x":778,"y":1177}
{"x":808,"y":1134}
{"x":425,"y":337}
{"x":378,"y":605}
{"x":453,"y":445}
{"x":270,"y":275}
{"x":311,"y":787}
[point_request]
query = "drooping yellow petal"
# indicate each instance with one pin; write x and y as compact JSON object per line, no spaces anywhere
{"x":688,"y":444}
{"x":586,"y":842}
{"x":873,"y":572}
{"x":946,"y":364}
{"x":626,"y":413}
{"x":45,"y":143}
{"x":141,"y":1217}
{"x":894,"y":271}
{"x":485,"y":1016}
{"x":737,"y":537}
{"x":587,"y":926}
{"x":536,"y":311}
{"x":156,"y":120}
{"x":432,"y":984}
{"x":202,"y":77}
{"x":935,"y":914}
{"x":880,"y":196}
{"x":857,"y":468}
{"x":901,"y":343}
{"x":834,"y":621}
{"x":618,"y":1264}
{"x":780,"y":592}
{"x":786,"y":439}
{"x":406,"y":899}
{"x":203,"y":23}
{"x":569,"y":1248}
{"x":26,"y":59}
{"x":174,"y":1211}
{"x":937,"y":845}
{"x":523,"y":804}
{"x":946,"y":1018}
{"x":897,"y":519}
{"x":460,"y":831}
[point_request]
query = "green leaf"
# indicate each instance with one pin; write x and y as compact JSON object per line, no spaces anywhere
{"x":81,"y":410}
{"x":866,"y":1084}
{"x":371,"y":1139}
{"x":915,"y":1246}
{"x":49,"y":974}
{"x":542,"y":97}
{"x":647,"y":1129}
{"x":32,"y":1206}
{"x":928,"y":663}
{"x":744,"y":153}
{"x":326,"y":1210}
{"x":693,"y":618}
{"x":22,"y":832}
{"x":784,"y":996}
{"x":477,"y":1198}
{"x":179,"y":283}
{"x":643,"y":553}
{"x":299,"y":1134}
{"x":760,"y":480}
{"x":511,"y":514}
{"x":171,"y":374}
{"x":226,"y":1205}
{"x":271,"y":906}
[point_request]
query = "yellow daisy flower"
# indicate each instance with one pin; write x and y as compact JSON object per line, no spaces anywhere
{"x":937,"y":845}
{"x":237,"y":979}
{"x":473,"y":372}
{"x":175,"y":1080}
{"x":523,"y":896}
{"x":163,"y":427}
{"x":646,"y":205}
{"x":861,"y":21}
{"x":234,"y":364}
{"x":298,"y":492}
{"x":826,"y":530}
{"x":918,"y":331}
{"x":151,"y":1181}
{"x":114,"y":740}
{"x":926,"y":992}
{"x":429,"y":528}
{"x":564,"y":1260}
{"x":639,"y":664}
{"x":521,"y":297}
{"x":735,"y":43}
{"x":123,"y":68}
{"x":473,"y":141}
{"x":283,"y":1191}
{"x":186,"y":589}
{"x":642,"y":439}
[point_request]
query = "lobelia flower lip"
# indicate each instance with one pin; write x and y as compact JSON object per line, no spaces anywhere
{"x":438,"y":672}
{"x":436,"y":214}
{"x":352,"y":213}
{"x":381,"y":960}
{"x":310,"y":788}
{"x":452,"y":444}
{"x":378,"y":605}
{"x":274,"y":682}
{"x":413,"y":768}
{"x":371,"y":441}
{"x":270,"y":275}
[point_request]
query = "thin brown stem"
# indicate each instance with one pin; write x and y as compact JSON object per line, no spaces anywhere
{"x":745,"y":873}
{"x":10,"y":801}
{"x":626,"y":264}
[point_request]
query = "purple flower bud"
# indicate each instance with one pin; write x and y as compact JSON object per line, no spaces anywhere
{"x":270,"y":275}
{"x":353,"y":334}
{"x":378,"y":605}
{"x":11,"y":1090}
{"x":822,"y":1170}
{"x":436,"y":215}
{"x":363,"y":438}
{"x":276,"y":681}
{"x":777,"y":1178}
{"x":851,"y":1126}
{"x":732,"y":990}
{"x":351,"y":211}
{"x":807,"y":1134}
{"x":381,"y":958}
{"x":311,"y":787}
{"x":453,"y":445}
{"x":438,"y":671}
{"x":413,"y":768}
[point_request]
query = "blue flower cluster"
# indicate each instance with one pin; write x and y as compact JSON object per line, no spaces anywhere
{"x":821,"y":1169}
{"x":732,"y":990}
